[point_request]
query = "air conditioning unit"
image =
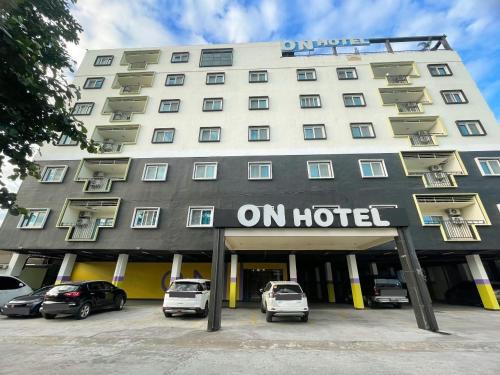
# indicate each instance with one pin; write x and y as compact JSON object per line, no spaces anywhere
{"x":453,"y":212}
{"x":436,"y":168}
{"x":423,"y":132}
{"x":4,"y":266}
{"x":107,"y":145}
{"x":84,"y":218}
{"x":457,"y":220}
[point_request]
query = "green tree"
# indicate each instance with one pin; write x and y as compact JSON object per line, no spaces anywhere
{"x":34,"y":93}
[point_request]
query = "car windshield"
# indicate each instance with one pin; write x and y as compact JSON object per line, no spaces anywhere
{"x":41,"y":291}
{"x":287,"y":289}
{"x":62,"y":289}
{"x":184,"y":287}
{"x":395,"y":283}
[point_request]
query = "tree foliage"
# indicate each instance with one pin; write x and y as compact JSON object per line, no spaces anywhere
{"x":34,"y":94}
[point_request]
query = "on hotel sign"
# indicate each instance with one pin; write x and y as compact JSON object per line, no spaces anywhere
{"x":310,"y":45}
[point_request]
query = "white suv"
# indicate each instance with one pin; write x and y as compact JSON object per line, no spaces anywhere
{"x":284,"y":298}
{"x":187,"y":296}
{"x":12,"y":287}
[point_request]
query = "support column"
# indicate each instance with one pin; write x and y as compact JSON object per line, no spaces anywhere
{"x":319,"y":292}
{"x":482,"y":281}
{"x":16,"y":264}
{"x":292,"y":264}
{"x":120,"y":268}
{"x":217,"y":282}
{"x":415,"y":282}
{"x":175,"y":272}
{"x":357,"y":295}
{"x":232,"y":281}
{"x":329,"y":282}
{"x":66,"y":269}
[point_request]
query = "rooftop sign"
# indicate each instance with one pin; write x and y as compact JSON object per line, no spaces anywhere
{"x":310,"y":45}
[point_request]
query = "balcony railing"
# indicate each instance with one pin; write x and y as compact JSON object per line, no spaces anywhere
{"x":98,"y":185}
{"x":438,"y":179}
{"x":131,"y":89}
{"x":398,"y":79}
{"x":422,"y":140}
{"x":458,"y":229}
{"x":83,"y":230}
{"x":121,"y":116}
{"x":409,"y":107}
{"x":108,"y":148}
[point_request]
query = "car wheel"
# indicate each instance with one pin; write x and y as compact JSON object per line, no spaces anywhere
{"x":49,"y":316}
{"x":83,"y":311}
{"x":168,"y":315}
{"x":262,"y":308}
{"x":305,"y":317}
{"x":119,"y":302}
{"x":204,"y":312}
{"x":269,"y":316}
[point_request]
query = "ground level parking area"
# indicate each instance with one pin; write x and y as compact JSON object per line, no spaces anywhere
{"x":336,"y":339}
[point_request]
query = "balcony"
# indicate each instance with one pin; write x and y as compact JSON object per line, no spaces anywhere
{"x":132,"y":83}
{"x":406,"y":100}
{"x":98,"y":174}
{"x":437,"y":169}
{"x":112,"y":138}
{"x":123,"y":108}
{"x":456,"y":215}
{"x":396,"y":73}
{"x":85,"y":217}
{"x":139,"y":60}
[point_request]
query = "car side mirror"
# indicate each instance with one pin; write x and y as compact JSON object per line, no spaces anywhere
{"x":21,"y":285}
{"x":261,"y":290}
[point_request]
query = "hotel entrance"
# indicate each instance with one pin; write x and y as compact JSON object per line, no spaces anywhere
{"x":256,"y":278}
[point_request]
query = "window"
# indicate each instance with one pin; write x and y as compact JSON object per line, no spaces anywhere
{"x":145,"y":217}
{"x":470,"y":128}
{"x":310,"y":101}
{"x":205,"y":171}
{"x":209,"y":135}
{"x":216,"y":57}
{"x":93,"y":83}
{"x":53,"y":173}
{"x":438,"y":70}
{"x":169,"y":105}
{"x":372,"y":168}
{"x":258,"y":102}
{"x":354,"y":100}
{"x":320,"y":169}
{"x":65,"y":140}
{"x":258,"y":133}
{"x":174,"y":80}
{"x":34,"y":219}
{"x":262,"y":170}
{"x":306,"y":75}
{"x":212,"y":104}
{"x":489,"y":167}
{"x":215,"y":78}
{"x":347,"y":73}
{"x":257,"y":76}
{"x":163,"y":135}
{"x":82,"y":109}
{"x":314,"y":132}
{"x":362,"y":130}
{"x":432,"y":219}
{"x":454,"y":97}
{"x":155,"y":172}
{"x":180,"y":57}
{"x":200,"y":216}
{"x":103,"y":60}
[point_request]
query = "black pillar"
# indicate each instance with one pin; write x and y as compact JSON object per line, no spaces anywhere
{"x":417,"y":288}
{"x":217,"y":282}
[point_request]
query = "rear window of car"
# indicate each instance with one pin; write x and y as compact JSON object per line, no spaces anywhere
{"x":185,"y":287}
{"x":63,"y":289}
{"x":7,"y":283}
{"x":41,"y":291}
{"x":388,"y":282}
{"x":287,"y":289}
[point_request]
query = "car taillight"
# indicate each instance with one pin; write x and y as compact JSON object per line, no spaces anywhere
{"x":376,"y":291}
{"x":72,"y":294}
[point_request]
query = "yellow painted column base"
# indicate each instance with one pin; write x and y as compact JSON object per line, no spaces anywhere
{"x":357,"y":296}
{"x":331,"y":292}
{"x":232,"y":295}
{"x":488,"y":297}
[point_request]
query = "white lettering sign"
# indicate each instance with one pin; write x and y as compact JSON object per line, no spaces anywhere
{"x":310,"y":45}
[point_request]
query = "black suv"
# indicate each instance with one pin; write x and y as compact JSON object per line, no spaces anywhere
{"x":80,"y":298}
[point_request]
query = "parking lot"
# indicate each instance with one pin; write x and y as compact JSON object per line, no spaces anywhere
{"x":335,"y":340}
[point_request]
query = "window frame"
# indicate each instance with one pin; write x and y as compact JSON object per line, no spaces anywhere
{"x":162,"y":129}
{"x":447,"y":67}
{"x":73,"y":142}
{"x":369,"y":124}
{"x":30,"y":210}
{"x":209,"y":128}
{"x":44,"y":170}
{"x":269,"y":163}
{"x":478,"y":161}
{"x":200,"y":208}
{"x":310,"y":96}
{"x":213,"y":110}
{"x":86,"y":87}
{"x":144,"y":172}
{"x":353,"y":94}
{"x":84,"y":114}
{"x":214,"y":51}
{"x":480,"y":125}
{"x":381,"y":161}
{"x":315,"y":76}
{"x":330,"y":168}
{"x":257,"y":72}
{"x":462,"y":93}
{"x":197,"y":163}
{"x":170,"y":100}
{"x":257,"y":127}
{"x":133,"y":225}
{"x":175,"y":75}
{"x":179,"y":54}
{"x":102,"y":56}
{"x":258,"y":98}
{"x":215,"y":74}
{"x":323,"y":128}
{"x":347,"y":78}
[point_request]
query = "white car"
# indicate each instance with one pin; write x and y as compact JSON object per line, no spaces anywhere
{"x":12,"y":287}
{"x":284,"y":298}
{"x":187,"y":296}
